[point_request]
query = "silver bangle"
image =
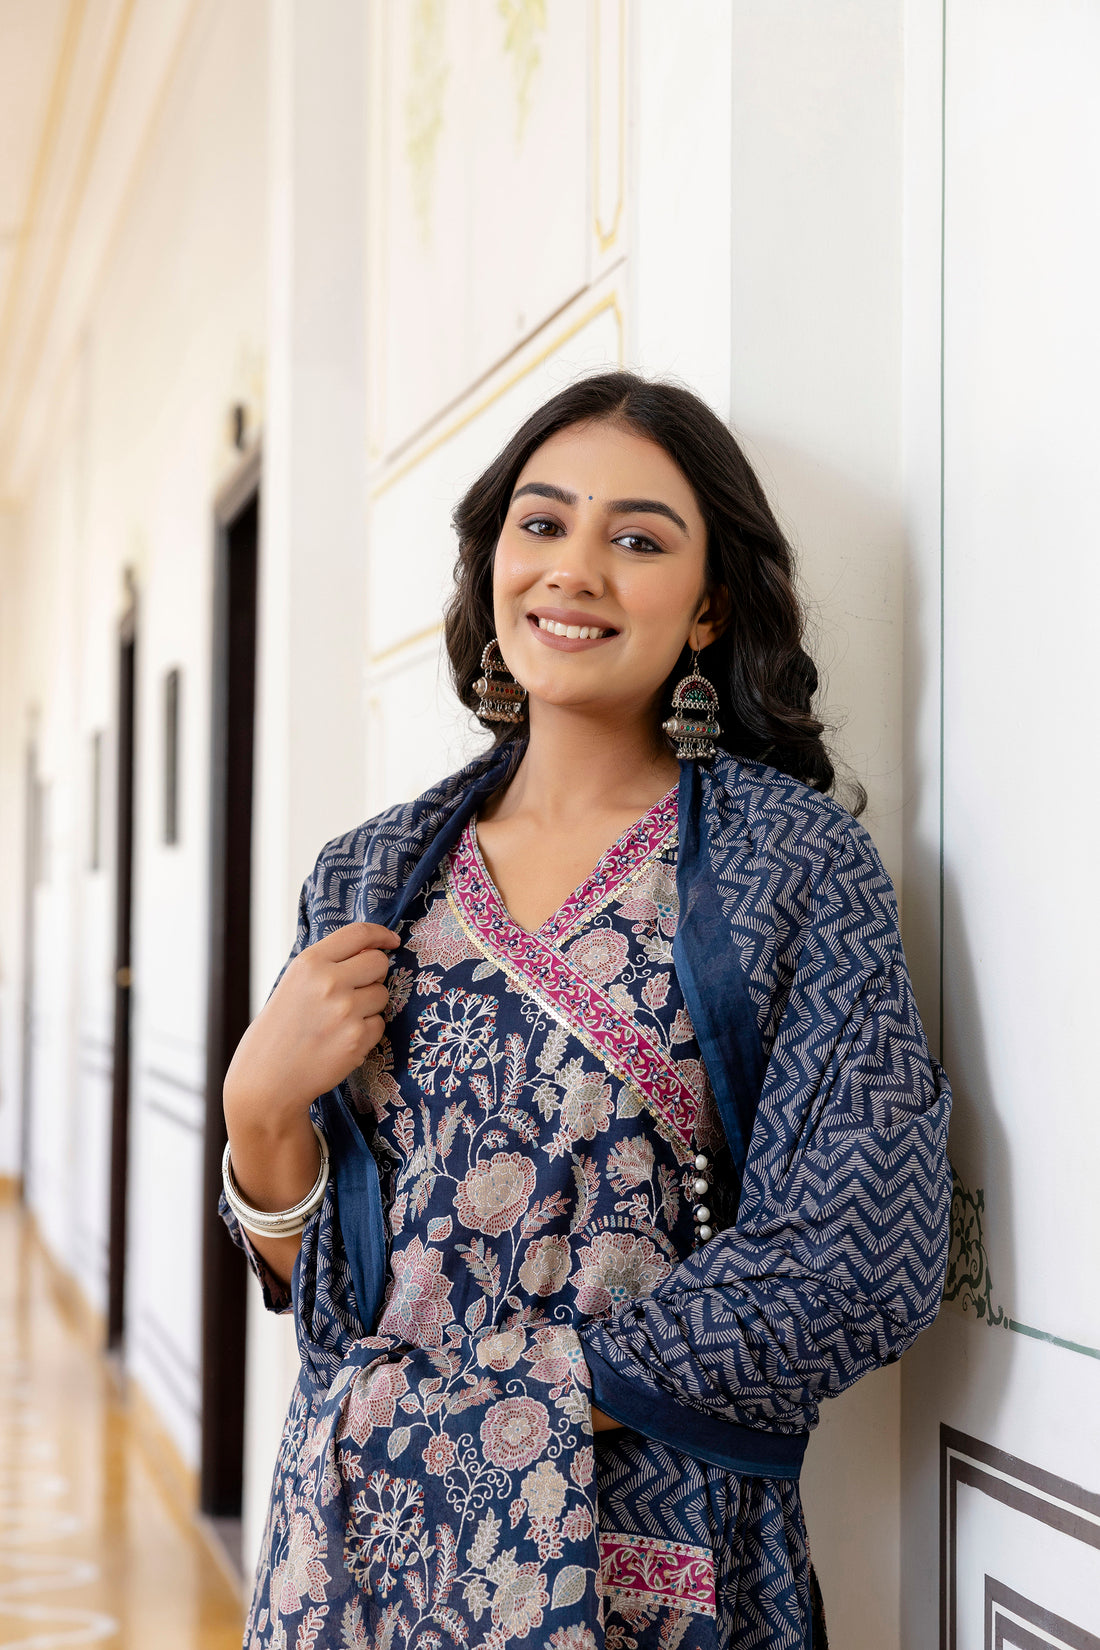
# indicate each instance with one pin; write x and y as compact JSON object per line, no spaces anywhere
{"x":281,"y":1222}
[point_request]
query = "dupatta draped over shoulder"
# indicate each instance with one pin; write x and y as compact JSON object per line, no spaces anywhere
{"x":438,"y":1481}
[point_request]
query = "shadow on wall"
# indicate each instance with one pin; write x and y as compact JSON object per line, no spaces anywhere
{"x":978,"y":1142}
{"x":978,"y":1148}
{"x":864,"y":1491}
{"x":935,"y":1382}
{"x":848,"y":542}
{"x":849,"y":545}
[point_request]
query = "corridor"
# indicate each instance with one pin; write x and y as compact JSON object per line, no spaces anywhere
{"x":96,"y":1544}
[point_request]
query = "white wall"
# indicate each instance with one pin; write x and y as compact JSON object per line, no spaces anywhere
{"x":139,"y":446}
{"x":815,"y":379}
{"x":748,"y":196}
{"x":1013,"y":1365}
{"x":756,"y":255}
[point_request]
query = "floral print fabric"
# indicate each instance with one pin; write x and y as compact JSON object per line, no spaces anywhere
{"x":535,"y":1107}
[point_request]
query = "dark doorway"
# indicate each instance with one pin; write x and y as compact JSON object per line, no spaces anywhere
{"x":236,"y":548}
{"x":124,"y":888}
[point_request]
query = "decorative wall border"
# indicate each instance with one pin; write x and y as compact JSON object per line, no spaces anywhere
{"x":1042,"y":1495}
{"x":609,"y":300}
{"x":969,"y":1283}
{"x":388,"y":462}
{"x":1006,"y":1613}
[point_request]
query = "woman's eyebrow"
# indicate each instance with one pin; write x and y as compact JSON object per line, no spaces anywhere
{"x":615,"y":506}
{"x":546,"y":489}
{"x":649,"y":507}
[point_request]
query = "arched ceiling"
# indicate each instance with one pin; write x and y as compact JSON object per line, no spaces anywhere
{"x":82,"y":83}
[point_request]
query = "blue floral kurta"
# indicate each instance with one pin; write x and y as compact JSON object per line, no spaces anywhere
{"x":535,"y":1109}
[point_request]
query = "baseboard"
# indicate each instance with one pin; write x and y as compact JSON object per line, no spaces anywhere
{"x":75,"y":1307}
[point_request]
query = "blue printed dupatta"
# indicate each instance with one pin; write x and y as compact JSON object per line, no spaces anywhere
{"x":787,"y":956}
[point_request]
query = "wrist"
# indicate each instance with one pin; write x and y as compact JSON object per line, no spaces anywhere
{"x":263,"y":1118}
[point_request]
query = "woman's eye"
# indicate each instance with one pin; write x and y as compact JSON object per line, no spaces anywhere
{"x":638,"y":541}
{"x":539,"y":521}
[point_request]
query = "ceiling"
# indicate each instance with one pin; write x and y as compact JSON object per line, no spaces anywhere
{"x":82,"y":83}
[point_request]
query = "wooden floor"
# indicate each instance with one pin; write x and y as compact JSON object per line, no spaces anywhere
{"x":96,"y":1543}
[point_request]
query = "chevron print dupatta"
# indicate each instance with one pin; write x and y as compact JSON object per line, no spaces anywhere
{"x":731,"y":975}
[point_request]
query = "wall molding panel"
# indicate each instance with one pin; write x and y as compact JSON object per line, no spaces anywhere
{"x":1053,"y":1504}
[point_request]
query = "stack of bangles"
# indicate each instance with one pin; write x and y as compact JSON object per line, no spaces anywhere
{"x":283,"y":1222}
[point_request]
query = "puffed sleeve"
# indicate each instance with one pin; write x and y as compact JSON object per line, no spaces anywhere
{"x":837,"y":1258}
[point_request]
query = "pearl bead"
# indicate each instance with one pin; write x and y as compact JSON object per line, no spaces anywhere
{"x":705,"y":1234}
{"x":702,"y":1213}
{"x":702,"y":1161}
{"x":700,"y":1187}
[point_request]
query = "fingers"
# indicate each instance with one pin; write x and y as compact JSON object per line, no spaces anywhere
{"x":345,"y":942}
{"x":370,"y":1000}
{"x":364,"y":968}
{"x":374,"y":1030}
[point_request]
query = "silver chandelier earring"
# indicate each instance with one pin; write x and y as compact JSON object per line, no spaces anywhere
{"x":693,"y":726}
{"x":501,"y":697}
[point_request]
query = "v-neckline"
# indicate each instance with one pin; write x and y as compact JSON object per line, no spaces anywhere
{"x":643,"y":837}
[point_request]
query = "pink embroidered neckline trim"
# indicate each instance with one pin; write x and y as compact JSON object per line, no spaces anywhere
{"x":570,"y":995}
{"x":645,"y":837}
{"x":637,"y":842}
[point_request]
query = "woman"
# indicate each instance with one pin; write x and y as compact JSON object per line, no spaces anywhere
{"x":629,"y":1147}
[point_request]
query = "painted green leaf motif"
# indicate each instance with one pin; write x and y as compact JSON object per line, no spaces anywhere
{"x":524,"y":20}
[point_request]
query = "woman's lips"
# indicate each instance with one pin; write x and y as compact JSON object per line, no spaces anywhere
{"x":572,"y":641}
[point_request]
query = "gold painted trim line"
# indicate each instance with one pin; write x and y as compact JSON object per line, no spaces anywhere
{"x":409,"y":442}
{"x":406,"y":642}
{"x":609,"y":301}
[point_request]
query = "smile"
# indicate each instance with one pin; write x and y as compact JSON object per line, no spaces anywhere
{"x":566,"y":635}
{"x":573,"y":631}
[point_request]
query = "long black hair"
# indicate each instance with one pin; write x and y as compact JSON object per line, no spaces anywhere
{"x":764,"y":678}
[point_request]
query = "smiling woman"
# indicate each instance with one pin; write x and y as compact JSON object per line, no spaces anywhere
{"x":665,"y":481}
{"x":590,"y":1131}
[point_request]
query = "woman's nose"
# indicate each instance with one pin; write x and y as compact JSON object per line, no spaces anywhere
{"x":576,"y":568}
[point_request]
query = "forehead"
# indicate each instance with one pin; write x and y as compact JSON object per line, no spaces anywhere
{"x":609,"y":462}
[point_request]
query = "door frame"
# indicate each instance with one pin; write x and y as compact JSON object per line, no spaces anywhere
{"x":224,"y":1269}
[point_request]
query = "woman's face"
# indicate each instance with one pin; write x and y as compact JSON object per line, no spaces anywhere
{"x":602,"y":535}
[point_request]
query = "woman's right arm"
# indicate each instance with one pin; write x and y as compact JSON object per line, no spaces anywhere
{"x":320,"y":1022}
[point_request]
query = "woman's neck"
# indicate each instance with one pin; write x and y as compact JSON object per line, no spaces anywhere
{"x":575,"y":768}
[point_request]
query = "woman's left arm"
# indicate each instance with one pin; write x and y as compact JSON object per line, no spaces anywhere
{"x":837,"y":1260}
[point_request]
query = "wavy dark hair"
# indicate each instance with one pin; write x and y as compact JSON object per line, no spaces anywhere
{"x":764,"y":678}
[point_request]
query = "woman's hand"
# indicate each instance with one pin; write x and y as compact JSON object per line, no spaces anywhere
{"x":320,"y":1022}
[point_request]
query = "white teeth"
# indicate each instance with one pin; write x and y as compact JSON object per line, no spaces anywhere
{"x":575,"y":632}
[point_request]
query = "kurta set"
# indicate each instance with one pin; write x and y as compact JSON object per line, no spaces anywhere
{"x":679,"y":1154}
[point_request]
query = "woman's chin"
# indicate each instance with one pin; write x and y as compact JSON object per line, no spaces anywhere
{"x":592,"y":705}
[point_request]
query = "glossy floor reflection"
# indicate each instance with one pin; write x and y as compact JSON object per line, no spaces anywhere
{"x":94,"y":1546}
